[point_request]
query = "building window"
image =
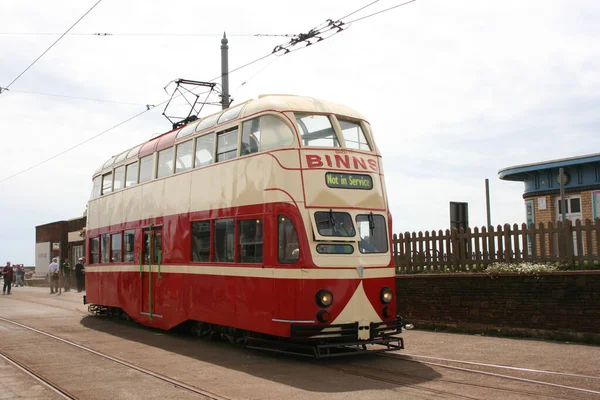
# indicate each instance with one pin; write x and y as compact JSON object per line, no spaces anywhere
{"x":105,"y":249}
{"x":115,"y":242}
{"x":288,"y":248}
{"x":224,"y":235}
{"x":129,"y":244}
{"x":94,"y":250}
{"x":201,"y":241}
{"x":250,"y":241}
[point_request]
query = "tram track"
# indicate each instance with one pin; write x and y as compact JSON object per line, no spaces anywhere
{"x":446,"y":363}
{"x":179,"y":384}
{"x":38,"y":377}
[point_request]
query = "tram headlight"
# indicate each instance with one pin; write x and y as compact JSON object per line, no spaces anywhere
{"x":324,"y":298}
{"x":386,"y":295}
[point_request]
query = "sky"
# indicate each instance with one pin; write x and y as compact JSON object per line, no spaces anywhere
{"x":454,"y":91}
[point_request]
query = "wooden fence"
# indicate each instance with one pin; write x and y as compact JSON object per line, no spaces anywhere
{"x":473,"y":250}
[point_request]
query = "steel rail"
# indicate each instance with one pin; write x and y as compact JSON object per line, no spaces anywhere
{"x":210,"y":395}
{"x":533,"y":381}
{"x":539,"y":371}
{"x":45,"y":382}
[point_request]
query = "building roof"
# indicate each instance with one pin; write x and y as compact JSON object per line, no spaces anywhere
{"x":520,"y":172}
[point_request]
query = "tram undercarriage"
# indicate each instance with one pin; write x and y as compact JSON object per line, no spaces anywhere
{"x":305,"y":340}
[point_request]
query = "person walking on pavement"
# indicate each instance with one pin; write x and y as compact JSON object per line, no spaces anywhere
{"x":80,"y":275}
{"x":20,"y":275}
{"x":7,"y":274}
{"x":66,"y":273}
{"x":53,"y":271}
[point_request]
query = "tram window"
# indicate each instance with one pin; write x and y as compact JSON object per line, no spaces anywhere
{"x":187,"y":130}
{"x":134,"y":151}
{"x":288,"y":246}
{"x":120,"y":157}
{"x":146,"y":168}
{"x":230,"y":114}
{"x":330,"y":223}
{"x":105,"y":249}
{"x":107,"y":183}
{"x":316,"y":130}
{"x":250,"y":241}
{"x":152,"y":240}
{"x":201,"y":241}
{"x":224,"y":235}
{"x":96,"y":189}
{"x":129,"y":244}
{"x":325,"y":248}
{"x":372,"y":233}
{"x":274,"y":133}
{"x":250,"y":137}
{"x":108,"y":163}
{"x":115,"y":242}
{"x":207,"y":122}
{"x":119,"y":178}
{"x":227,"y":145}
{"x":94,"y":253}
{"x":131,"y":174}
{"x":184,"y":159}
{"x":354,"y":135}
{"x":165,"y":163}
{"x":205,"y":147}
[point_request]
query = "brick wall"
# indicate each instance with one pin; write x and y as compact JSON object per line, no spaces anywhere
{"x":564,"y":302}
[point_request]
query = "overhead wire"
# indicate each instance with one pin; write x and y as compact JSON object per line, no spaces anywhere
{"x":75,"y":97}
{"x":380,"y":12}
{"x":51,"y":46}
{"x":102,"y":34}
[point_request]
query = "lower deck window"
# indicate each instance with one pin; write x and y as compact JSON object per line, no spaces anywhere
{"x":94,"y":250}
{"x":335,"y":249}
{"x":251,"y":241}
{"x":224,"y":235}
{"x":372,"y":232}
{"x":201,"y":241}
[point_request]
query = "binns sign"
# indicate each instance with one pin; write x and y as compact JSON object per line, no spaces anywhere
{"x":341,"y":161}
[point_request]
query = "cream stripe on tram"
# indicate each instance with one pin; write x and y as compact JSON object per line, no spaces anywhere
{"x":256,"y":272}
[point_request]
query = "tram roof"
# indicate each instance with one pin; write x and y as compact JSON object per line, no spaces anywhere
{"x":265,"y":102}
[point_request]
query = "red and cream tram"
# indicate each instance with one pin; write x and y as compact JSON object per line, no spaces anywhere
{"x":269,"y":218}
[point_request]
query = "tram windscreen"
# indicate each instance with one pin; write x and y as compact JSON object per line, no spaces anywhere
{"x":330,"y":223}
{"x":316,"y":130}
{"x":372,"y":233}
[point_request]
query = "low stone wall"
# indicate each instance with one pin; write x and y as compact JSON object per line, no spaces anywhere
{"x":563,"y":303}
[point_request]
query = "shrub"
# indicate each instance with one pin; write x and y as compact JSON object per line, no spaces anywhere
{"x":527,"y":268}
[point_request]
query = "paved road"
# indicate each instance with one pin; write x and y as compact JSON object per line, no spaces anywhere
{"x":237,"y":373}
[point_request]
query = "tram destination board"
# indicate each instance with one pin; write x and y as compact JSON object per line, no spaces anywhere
{"x":348,"y":181}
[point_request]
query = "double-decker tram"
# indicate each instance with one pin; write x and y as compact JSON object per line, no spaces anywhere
{"x":267,"y":221}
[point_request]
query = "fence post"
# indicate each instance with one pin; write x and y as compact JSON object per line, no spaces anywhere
{"x":484,"y":245}
{"x":516,"y":250}
{"x":477,"y":250}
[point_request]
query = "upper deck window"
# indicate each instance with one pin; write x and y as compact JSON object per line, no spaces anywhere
{"x":119,"y":178}
{"x":227,"y":145}
{"x":187,"y":130}
{"x":109,"y":163}
{"x":165,"y":163}
{"x":134,"y":151}
{"x":316,"y":131}
{"x":184,"y":158}
{"x":230,"y":114}
{"x":205,"y":147}
{"x":121,"y":157}
{"x":107,"y":183}
{"x":208,"y":122}
{"x":265,"y":133}
{"x":96,"y":189}
{"x":146,"y":168}
{"x":131,"y":174}
{"x":330,"y":223}
{"x":354,"y":135}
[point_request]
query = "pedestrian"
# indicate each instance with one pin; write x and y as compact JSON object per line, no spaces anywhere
{"x":53,"y":271}
{"x":20,"y":275}
{"x":80,"y":274}
{"x":14,"y":275}
{"x":7,"y":274}
{"x":66,"y":273}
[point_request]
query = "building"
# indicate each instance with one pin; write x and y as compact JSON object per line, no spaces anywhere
{"x":542,"y":188}
{"x":61,"y":239}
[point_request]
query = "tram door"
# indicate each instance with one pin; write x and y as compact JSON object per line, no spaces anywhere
{"x":150,"y":269}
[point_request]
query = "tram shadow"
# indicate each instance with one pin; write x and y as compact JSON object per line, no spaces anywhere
{"x":335,"y":375}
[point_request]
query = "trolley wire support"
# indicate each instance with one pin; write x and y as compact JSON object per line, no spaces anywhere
{"x":182,"y":89}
